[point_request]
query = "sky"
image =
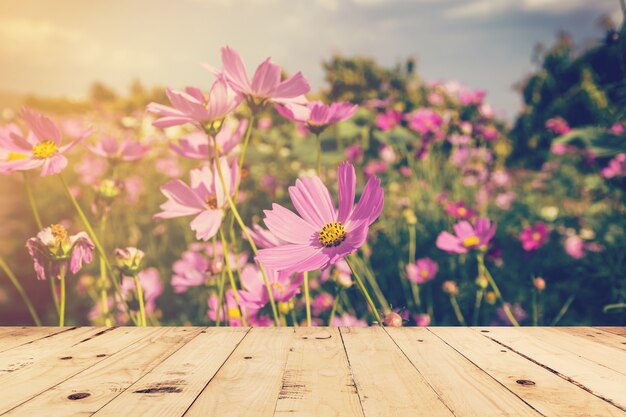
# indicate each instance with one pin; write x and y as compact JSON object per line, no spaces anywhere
{"x":60,"y":47}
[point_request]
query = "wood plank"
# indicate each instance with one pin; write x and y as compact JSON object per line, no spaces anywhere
{"x":387,"y":383}
{"x":620,"y":331}
{"x":50,"y":370}
{"x":606,"y":356}
{"x":171,"y":387}
{"x":11,"y":337}
{"x":465,"y":388}
{"x":597,"y":379}
{"x":317,"y":379}
{"x":546,"y":392}
{"x":596,"y":335}
{"x":90,"y":390}
{"x":249,"y":383}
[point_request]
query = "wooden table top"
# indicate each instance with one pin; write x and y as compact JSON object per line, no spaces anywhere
{"x":200,"y":371}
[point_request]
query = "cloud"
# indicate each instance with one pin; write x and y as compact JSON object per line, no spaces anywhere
{"x":488,"y":8}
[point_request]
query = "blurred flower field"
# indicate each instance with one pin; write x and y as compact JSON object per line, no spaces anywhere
{"x":381,"y":200}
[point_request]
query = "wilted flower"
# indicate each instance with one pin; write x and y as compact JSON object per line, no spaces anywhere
{"x":53,"y":249}
{"x":393,"y":319}
{"x":129,"y":260}
{"x":422,"y":271}
{"x":323,"y":235}
{"x":468,"y":236}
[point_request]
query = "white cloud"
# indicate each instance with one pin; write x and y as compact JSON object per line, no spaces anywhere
{"x":486,"y":8}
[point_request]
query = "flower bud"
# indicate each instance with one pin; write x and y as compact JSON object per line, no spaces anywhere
{"x":129,"y":260}
{"x":393,"y":320}
{"x":539,"y":283}
{"x":482,"y":282}
{"x":216,"y":265}
{"x":450,"y":287}
{"x":490,"y":297}
{"x":409,"y":216}
{"x":344,"y":280}
{"x":284,"y":308}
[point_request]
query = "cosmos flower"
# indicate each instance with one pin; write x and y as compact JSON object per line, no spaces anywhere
{"x":254,"y":295}
{"x":53,"y":249}
{"x":40,"y":148}
{"x":197,"y":146}
{"x":126,"y":151}
{"x":204,"y":198}
{"x":467,"y":236}
{"x":459,"y":210}
{"x":422,"y":271}
{"x":317,"y":116}
{"x":388,"y":120}
{"x":534,"y":237}
{"x":321,"y":235}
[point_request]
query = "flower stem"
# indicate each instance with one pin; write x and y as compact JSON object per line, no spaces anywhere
{"x":244,"y":229}
{"x":535,"y":309}
{"x":364,"y":291}
{"x":142,"y":309}
{"x":62,"y":306}
{"x":246,"y":140}
{"x":31,"y":201}
{"x":220,"y":296}
{"x":457,"y":310}
{"x":231,"y":277}
{"x":307,"y":298}
{"x":372,"y":281}
{"x":333,"y":311}
{"x":319,"y":154}
{"x":479,"y":298}
{"x":20,"y":290}
{"x":98,"y":245}
{"x":103,"y":280}
{"x":496,"y":290}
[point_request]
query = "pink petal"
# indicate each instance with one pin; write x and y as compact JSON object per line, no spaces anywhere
{"x":266,"y":79}
{"x":450,"y":243}
{"x":292,"y":87}
{"x":53,"y":165}
{"x":312,"y":200}
{"x":371,"y":203}
{"x":41,"y":125}
{"x":207,"y":223}
{"x":287,"y":226}
{"x":293,"y":258}
{"x":464,"y":230}
{"x":346,"y":178}
{"x":182,"y":201}
{"x":235,"y":70}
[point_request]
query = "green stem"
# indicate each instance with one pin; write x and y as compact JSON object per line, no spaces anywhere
{"x":364,"y":291}
{"x":563,"y":310}
{"x":62,"y":306}
{"x":319,"y":154}
{"x":415,"y":289}
{"x":496,"y":290}
{"x":307,"y":298}
{"x":246,"y":140}
{"x":535,"y":309}
{"x":55,"y":296}
{"x":220,"y":296}
{"x":333,"y":311}
{"x":244,"y":229}
{"x":20,"y":290}
{"x":479,"y":298}
{"x":142,"y":308}
{"x":103,"y":279}
{"x":457,"y":311}
{"x":232,"y":278}
{"x":369,"y":276}
{"x":98,"y":245}
{"x":31,"y":201}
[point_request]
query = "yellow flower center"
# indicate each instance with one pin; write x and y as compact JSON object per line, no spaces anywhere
{"x":278,"y":286}
{"x":211,"y":201}
{"x":424,"y":273}
{"x":14,"y":156}
{"x":59,"y":232}
{"x":461,"y":211}
{"x":332,"y":234}
{"x":536,"y":236}
{"x":468,"y":242}
{"x":45,"y":149}
{"x":234,"y":313}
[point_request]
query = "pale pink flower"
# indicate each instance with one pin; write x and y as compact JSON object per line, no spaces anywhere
{"x":348,"y":320}
{"x":317,"y":116}
{"x":322,"y":235}
{"x":468,"y":236}
{"x":266,"y":85}
{"x":151,"y":285}
{"x":354,"y":154}
{"x":575,"y":247}
{"x":205,"y":198}
{"x":422,"y":271}
{"x":254,"y":293}
{"x":422,"y":320}
{"x":40,"y":148}
{"x":387,"y":154}
{"x":263,"y":238}
{"x":197,"y":146}
{"x":230,"y":309}
{"x":126,"y":151}
{"x":321,"y":303}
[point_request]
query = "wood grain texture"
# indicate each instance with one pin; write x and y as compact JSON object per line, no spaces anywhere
{"x":597,"y":335}
{"x":171,"y":388}
{"x":90,"y":390}
{"x":11,"y":337}
{"x":597,"y":379}
{"x":546,"y":392}
{"x":249,"y":383}
{"x":317,"y":379}
{"x":620,"y":331}
{"x":387,"y":383}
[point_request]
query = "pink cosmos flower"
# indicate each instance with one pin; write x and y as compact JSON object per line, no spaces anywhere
{"x":347,"y":320}
{"x":617,"y":128}
{"x":151,"y":284}
{"x":321,"y":235}
{"x":263,"y":238}
{"x":317,"y":116}
{"x":205,"y":198}
{"x":425,"y":121}
{"x":422,"y":320}
{"x":374,"y":167}
{"x":230,"y":309}
{"x":616,"y":167}
{"x":534,"y":237}
{"x":387,"y":154}
{"x":422,"y":271}
{"x":266,"y":85}
{"x":388,"y":120}
{"x":321,"y":303}
{"x":504,"y":201}
{"x":254,"y":295}
{"x":40,"y":148}
{"x":191,"y":270}
{"x":468,"y":236}
{"x":459,"y":210}
{"x":53,"y":248}
{"x":127,"y":151}
{"x":354,"y":154}
{"x":193,"y":106}
{"x":575,"y":247}
{"x":197,"y":146}
{"x":558,"y":126}
{"x":341,"y":273}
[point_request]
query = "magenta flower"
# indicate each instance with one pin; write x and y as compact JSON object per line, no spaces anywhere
{"x":616,"y":167}
{"x":40,"y":148}
{"x":558,"y":126}
{"x":425,"y":121}
{"x":574,"y":246}
{"x":459,"y":210}
{"x":468,"y":236}
{"x":127,"y":151}
{"x":193,"y":106}
{"x":422,"y":271}
{"x":317,"y":116}
{"x":254,"y":295}
{"x":534,"y":237}
{"x":388,"y":120}
{"x":266,"y":85}
{"x":205,"y":198}
{"x":53,"y":249}
{"x":321,"y":303}
{"x":354,"y":154}
{"x":422,"y":320}
{"x":321,"y":235}
{"x":197,"y":146}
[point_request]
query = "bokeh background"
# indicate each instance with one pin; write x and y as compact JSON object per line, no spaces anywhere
{"x":100,"y":63}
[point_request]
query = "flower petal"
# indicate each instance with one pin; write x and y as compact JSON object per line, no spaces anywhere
{"x":371,"y":203}
{"x":312,"y":200}
{"x":292,"y":87}
{"x":286,"y":225}
{"x":207,"y":223}
{"x":346,"y":178}
{"x":235,"y":70}
{"x":293,"y":258}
